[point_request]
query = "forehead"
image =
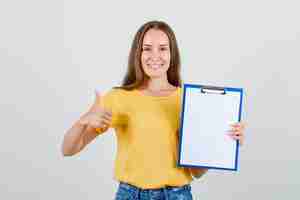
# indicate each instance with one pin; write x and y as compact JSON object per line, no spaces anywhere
{"x":153,"y":36}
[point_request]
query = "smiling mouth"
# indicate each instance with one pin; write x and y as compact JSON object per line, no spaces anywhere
{"x":155,"y":67}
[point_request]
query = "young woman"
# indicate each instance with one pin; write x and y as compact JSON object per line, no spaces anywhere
{"x":145,"y":113}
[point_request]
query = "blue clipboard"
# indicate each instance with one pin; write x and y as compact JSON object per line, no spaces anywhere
{"x":206,"y":115}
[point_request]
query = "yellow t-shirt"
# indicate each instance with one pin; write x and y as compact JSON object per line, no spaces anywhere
{"x":147,"y":138}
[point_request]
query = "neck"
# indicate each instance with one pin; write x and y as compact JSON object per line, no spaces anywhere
{"x":159,"y":83}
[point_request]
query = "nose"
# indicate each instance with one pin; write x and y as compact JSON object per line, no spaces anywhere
{"x":155,"y":55}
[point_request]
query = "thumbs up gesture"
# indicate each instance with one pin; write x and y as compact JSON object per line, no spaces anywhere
{"x":97,"y":116}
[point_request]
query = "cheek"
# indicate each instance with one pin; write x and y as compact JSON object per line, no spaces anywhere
{"x":144,"y":57}
{"x":167,"y":56}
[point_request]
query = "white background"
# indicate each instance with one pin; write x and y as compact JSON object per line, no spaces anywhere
{"x":53,"y":54}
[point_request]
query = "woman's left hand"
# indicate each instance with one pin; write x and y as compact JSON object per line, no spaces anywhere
{"x":237,"y":132}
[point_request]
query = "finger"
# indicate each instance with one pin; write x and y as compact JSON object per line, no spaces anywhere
{"x":108,"y":117}
{"x":104,"y":126}
{"x":235,"y":125}
{"x":83,"y":122}
{"x":98,"y":94}
{"x":241,"y":140}
{"x":95,"y":124}
{"x":243,"y":126}
{"x":236,"y":137}
{"x":106,"y":121}
{"x":236,"y":134}
{"x":237,"y":128}
{"x":108,"y":112}
{"x":233,"y":129}
{"x":98,"y":99}
{"x":231,"y":135}
{"x":105,"y":114}
{"x":239,"y":125}
{"x":100,"y":123}
{"x":96,"y":107}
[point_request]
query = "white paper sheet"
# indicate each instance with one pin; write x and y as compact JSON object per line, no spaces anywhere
{"x":206,"y":120}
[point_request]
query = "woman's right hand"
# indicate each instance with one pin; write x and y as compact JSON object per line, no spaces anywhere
{"x":97,"y":116}
{"x":81,"y":133}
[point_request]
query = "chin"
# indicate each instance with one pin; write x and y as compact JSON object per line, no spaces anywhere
{"x":156,"y":75}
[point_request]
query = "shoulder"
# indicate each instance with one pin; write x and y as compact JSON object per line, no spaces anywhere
{"x":179,"y":90}
{"x":116,"y":93}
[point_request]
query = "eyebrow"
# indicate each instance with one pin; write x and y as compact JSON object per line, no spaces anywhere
{"x":159,"y":45}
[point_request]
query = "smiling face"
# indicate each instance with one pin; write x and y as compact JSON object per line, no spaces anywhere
{"x":155,"y":57}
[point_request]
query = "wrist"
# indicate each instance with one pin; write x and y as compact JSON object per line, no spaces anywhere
{"x":81,"y":122}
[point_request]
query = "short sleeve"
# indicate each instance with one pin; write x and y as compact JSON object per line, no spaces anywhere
{"x":112,"y":101}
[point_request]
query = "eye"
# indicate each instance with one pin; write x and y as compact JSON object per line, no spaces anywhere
{"x":163,"y":48}
{"x":146,"y":49}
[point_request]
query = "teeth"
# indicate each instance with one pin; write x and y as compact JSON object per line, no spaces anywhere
{"x":154,"y":66}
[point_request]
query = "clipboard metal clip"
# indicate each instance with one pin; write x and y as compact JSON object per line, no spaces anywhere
{"x":213,"y":90}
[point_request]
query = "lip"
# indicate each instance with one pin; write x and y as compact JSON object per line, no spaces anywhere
{"x":157,"y":66}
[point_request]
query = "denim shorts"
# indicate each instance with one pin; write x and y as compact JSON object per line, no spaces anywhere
{"x":129,"y":192}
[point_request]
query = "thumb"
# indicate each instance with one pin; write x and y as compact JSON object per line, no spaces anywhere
{"x":98,"y":96}
{"x":98,"y":101}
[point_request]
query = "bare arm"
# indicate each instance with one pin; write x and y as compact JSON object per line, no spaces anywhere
{"x":72,"y":139}
{"x":77,"y":137}
{"x":84,"y":130}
